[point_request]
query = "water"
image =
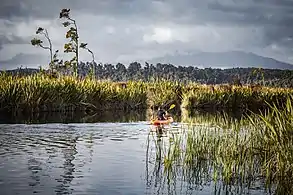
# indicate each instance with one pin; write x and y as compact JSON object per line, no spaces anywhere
{"x":92,"y":158}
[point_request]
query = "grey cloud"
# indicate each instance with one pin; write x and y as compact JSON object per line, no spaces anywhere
{"x":256,"y":12}
{"x":225,"y":12}
{"x":264,"y":22}
{"x":51,"y":9}
{"x":12,"y":39}
{"x":29,"y":60}
{"x":11,"y":8}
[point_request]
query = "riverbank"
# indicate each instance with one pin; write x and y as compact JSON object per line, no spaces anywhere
{"x":40,"y":93}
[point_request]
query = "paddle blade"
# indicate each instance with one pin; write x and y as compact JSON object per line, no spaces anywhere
{"x":172,"y":106}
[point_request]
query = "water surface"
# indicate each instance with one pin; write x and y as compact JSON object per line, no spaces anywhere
{"x":94,"y":158}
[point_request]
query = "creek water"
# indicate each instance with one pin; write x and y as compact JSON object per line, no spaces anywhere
{"x":115,"y":156}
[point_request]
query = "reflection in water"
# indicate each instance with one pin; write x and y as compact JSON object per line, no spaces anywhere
{"x":112,"y":158}
{"x":222,"y":119}
{"x":170,"y":167}
{"x":68,"y":166}
{"x":74,"y":117}
{"x":65,"y":159}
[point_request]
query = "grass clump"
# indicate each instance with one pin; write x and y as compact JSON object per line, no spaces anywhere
{"x":42,"y":93}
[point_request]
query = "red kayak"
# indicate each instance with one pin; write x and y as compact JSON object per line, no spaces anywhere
{"x":162,"y":122}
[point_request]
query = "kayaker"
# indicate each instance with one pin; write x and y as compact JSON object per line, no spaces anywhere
{"x":161,"y":114}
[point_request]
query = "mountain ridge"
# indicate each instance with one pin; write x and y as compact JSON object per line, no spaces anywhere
{"x":224,"y":60}
{"x":231,"y":59}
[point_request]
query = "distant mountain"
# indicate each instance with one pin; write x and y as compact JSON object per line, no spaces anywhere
{"x":222,"y":60}
{"x":24,"y":60}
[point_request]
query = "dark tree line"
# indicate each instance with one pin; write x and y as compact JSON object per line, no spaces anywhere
{"x":149,"y":72}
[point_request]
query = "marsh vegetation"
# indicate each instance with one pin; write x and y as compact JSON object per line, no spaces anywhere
{"x":40,"y":92}
{"x":245,"y":153}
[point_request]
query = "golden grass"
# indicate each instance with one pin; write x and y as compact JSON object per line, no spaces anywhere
{"x":42,"y":93}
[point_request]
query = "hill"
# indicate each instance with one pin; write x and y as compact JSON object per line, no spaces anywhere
{"x":223,"y":60}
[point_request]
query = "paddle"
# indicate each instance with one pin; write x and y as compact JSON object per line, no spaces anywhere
{"x":172,"y":106}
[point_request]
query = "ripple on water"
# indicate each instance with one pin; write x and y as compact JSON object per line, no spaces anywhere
{"x":97,"y":158}
{"x":116,"y":139}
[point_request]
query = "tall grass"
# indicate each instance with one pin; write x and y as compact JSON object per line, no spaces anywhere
{"x":38,"y":92}
{"x":205,"y":156}
{"x":164,"y":93}
{"x":225,"y":96}
{"x":41,"y":93}
{"x":261,"y":154}
{"x":274,"y":139}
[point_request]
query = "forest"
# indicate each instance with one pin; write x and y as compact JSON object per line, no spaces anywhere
{"x":147,"y":72}
{"x":150,"y":72}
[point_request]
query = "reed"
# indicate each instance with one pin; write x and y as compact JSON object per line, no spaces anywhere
{"x":164,"y":93}
{"x":259,"y":153}
{"x":40,"y":92}
{"x":273,"y":132}
{"x":233,"y":97}
{"x":205,"y":156}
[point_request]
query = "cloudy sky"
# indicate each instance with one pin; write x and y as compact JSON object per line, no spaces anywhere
{"x":129,"y":30}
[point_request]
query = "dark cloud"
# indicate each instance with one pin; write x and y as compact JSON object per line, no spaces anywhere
{"x":225,"y":12}
{"x":12,"y":8}
{"x":254,"y":12}
{"x":240,"y":24}
{"x":251,"y":11}
{"x":51,"y":9}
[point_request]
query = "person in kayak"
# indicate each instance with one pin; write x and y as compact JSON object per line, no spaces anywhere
{"x":161,"y":114}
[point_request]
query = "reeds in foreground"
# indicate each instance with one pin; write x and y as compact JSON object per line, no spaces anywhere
{"x":261,"y":154}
